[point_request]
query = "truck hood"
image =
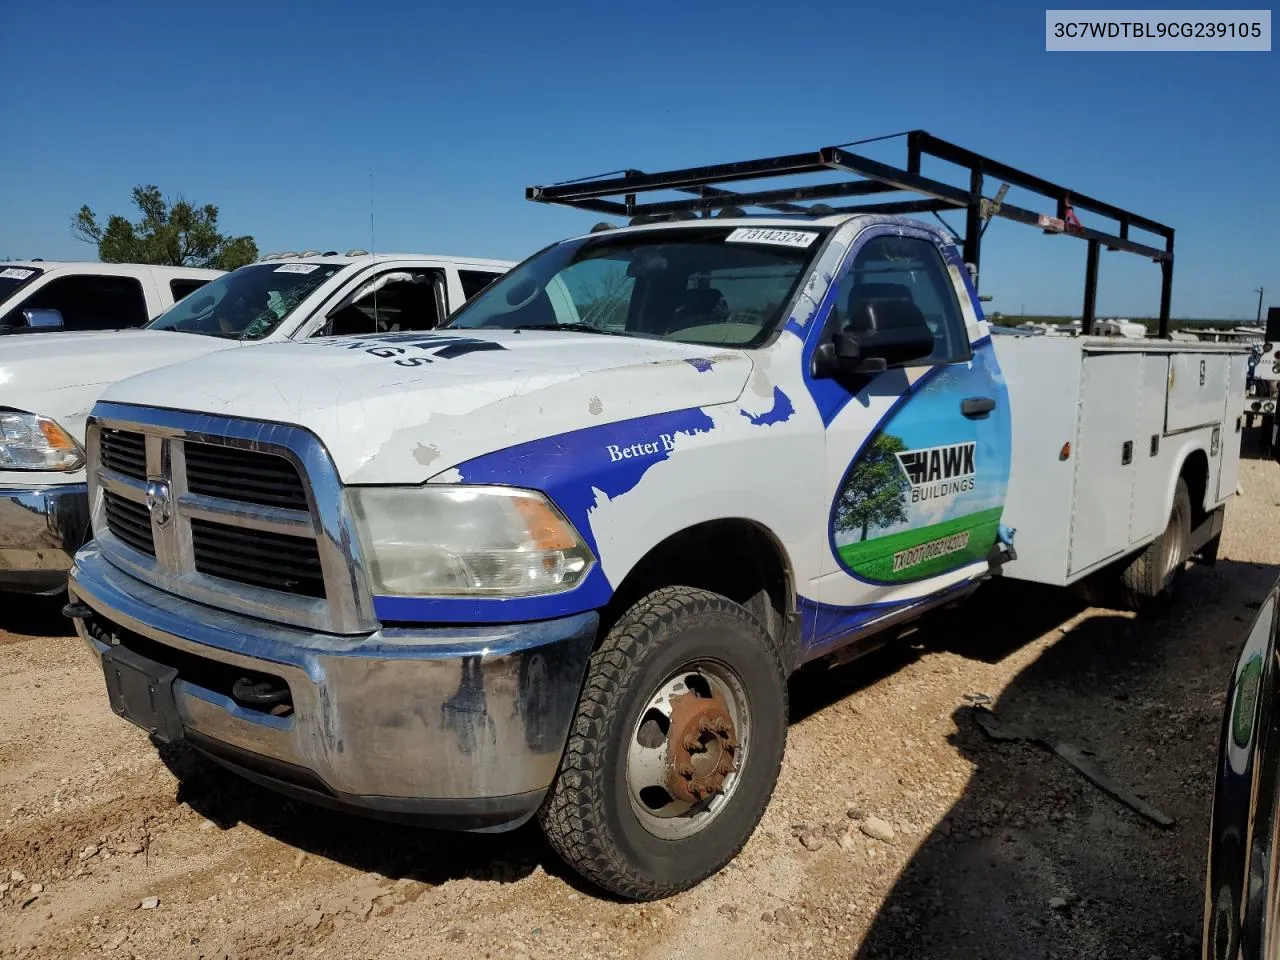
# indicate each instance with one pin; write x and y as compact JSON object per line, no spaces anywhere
{"x":402,"y":408}
{"x":60,"y":375}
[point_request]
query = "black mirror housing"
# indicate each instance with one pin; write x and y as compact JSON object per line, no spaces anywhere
{"x":886,"y":333}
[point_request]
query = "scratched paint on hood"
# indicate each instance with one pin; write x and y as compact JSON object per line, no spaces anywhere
{"x":378,"y":401}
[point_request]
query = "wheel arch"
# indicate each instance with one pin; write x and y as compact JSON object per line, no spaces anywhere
{"x":1193,"y":469}
{"x":736,"y":557}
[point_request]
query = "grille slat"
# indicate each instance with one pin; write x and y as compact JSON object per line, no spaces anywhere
{"x":125,"y":453}
{"x":258,"y":558}
{"x":129,"y":523}
{"x":301,"y":554}
{"x":246,"y":475}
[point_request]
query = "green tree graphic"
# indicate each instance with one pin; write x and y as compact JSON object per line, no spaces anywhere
{"x":875,"y":493}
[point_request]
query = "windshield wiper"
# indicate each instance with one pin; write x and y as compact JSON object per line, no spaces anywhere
{"x":575,"y":327}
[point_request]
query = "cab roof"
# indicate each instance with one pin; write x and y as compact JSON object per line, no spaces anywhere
{"x":98,"y":265}
{"x":362,"y":257}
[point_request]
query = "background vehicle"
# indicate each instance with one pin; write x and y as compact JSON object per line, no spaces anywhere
{"x":49,"y":383}
{"x":1263,"y":392}
{"x":39,"y":296}
{"x":1242,"y":882}
{"x":582,"y":535}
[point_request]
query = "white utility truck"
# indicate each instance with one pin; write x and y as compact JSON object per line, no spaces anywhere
{"x":40,"y":296}
{"x":49,"y":383}
{"x":1264,"y":381}
{"x":560,"y":556}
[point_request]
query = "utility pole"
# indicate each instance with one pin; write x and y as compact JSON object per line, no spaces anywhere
{"x":1259,"y":292}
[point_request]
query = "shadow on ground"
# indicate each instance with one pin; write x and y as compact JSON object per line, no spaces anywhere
{"x":1036,"y":861}
{"x":391,"y":849}
{"x":1143,"y":696}
{"x":30,"y":616}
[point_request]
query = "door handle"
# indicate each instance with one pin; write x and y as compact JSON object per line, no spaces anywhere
{"x":977,"y":408}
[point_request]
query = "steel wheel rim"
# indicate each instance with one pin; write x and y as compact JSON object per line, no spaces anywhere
{"x":648,"y":761}
{"x":1173,"y":551}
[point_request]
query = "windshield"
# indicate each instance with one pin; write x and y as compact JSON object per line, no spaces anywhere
{"x":248,"y":303}
{"x":11,"y":278}
{"x":710,"y":285}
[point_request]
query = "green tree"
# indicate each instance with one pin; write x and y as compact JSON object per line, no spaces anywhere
{"x":177,"y":234}
{"x":876,"y":490}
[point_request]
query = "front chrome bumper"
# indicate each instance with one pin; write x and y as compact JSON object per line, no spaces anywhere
{"x":41,"y":528}
{"x":460,"y":726}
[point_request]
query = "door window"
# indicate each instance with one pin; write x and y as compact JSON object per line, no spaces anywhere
{"x":905,"y":268}
{"x":473,"y":281}
{"x":393,"y":301}
{"x":180,"y":288}
{"x":87,"y":303}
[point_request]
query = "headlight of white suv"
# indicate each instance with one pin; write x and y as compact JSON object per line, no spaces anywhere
{"x":466,"y":541}
{"x":31,"y":442}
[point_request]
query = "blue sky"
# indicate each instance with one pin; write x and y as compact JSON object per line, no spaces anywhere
{"x":279,"y":114}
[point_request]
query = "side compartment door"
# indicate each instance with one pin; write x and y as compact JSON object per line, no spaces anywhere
{"x":918,"y":459}
{"x":1148,"y":512}
{"x":1232,"y":426}
{"x":1107,"y":447}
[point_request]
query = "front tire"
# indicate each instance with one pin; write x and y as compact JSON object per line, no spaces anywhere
{"x":675,"y":748}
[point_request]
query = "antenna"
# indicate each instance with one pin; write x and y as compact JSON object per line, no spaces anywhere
{"x":373,"y":250}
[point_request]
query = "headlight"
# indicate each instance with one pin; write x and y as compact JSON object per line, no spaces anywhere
{"x":31,"y":442}
{"x":466,"y":541}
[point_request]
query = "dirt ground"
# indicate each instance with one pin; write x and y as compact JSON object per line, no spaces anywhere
{"x":998,"y":849}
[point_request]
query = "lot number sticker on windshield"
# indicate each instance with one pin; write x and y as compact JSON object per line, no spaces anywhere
{"x":298,"y":268}
{"x":15,"y":273}
{"x":778,"y":238}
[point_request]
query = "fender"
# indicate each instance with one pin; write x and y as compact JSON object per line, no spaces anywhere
{"x":630,"y":485}
{"x":1188,"y":444}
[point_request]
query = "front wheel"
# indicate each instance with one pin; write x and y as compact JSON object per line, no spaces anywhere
{"x":675,"y":747}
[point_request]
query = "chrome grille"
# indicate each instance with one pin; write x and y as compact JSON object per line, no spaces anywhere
{"x":245,"y":475}
{"x":125,"y":452}
{"x":291,"y":564}
{"x":237,"y":514}
{"x":129,"y":521}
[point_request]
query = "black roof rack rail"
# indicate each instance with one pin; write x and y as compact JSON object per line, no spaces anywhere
{"x":616,"y":195}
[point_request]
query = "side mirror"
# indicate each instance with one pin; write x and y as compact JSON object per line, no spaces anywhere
{"x":43,"y":318}
{"x":889,"y":333}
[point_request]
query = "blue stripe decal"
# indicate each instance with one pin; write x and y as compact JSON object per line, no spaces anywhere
{"x":825,"y":627}
{"x":593,"y":593}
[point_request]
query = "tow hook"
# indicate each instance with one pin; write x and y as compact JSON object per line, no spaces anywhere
{"x":267,"y":695}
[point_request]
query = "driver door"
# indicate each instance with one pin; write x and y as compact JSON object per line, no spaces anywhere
{"x":917,"y":456}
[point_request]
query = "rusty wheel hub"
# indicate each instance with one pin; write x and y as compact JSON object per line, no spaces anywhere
{"x":702,"y":746}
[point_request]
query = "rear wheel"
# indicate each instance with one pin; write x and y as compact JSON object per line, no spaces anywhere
{"x":1156,"y":573}
{"x":675,"y":748}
